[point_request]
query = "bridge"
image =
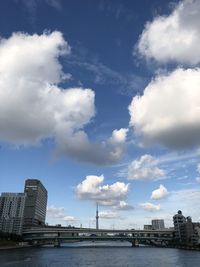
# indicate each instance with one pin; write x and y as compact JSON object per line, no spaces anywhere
{"x":57,"y":235}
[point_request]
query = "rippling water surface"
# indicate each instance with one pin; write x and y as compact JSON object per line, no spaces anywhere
{"x":100,"y":255}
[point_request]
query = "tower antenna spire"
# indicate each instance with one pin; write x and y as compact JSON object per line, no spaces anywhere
{"x":97,"y":217}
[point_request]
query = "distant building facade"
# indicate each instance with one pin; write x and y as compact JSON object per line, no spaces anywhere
{"x":197,"y":233}
{"x":158,"y":224}
{"x":147,"y":227}
{"x":12,"y":212}
{"x":35,"y":204}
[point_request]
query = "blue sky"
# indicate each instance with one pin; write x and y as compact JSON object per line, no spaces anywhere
{"x":100,"y":101}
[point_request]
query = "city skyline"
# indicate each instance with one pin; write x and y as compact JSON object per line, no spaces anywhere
{"x":97,"y":102}
{"x":20,"y":212}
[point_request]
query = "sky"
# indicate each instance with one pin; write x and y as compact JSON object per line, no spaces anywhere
{"x":100,"y":101}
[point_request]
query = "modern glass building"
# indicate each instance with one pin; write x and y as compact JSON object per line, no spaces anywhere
{"x":35,"y":204}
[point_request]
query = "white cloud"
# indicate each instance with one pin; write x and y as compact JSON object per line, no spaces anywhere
{"x":58,"y":213}
{"x":168,"y":111}
{"x":175,"y":37}
{"x":198,"y":179}
{"x":69,"y":218}
{"x":186,"y":200}
{"x":198,"y":168}
{"x":116,"y":144}
{"x":77,"y":145}
{"x":123,"y":206}
{"x":145,"y":168}
{"x":108,"y":215}
{"x":150,"y":207}
{"x":159,"y":193}
{"x":109,"y":195}
{"x":33,"y":106}
{"x":26,"y":57}
{"x":55,"y":212}
{"x":119,"y":136}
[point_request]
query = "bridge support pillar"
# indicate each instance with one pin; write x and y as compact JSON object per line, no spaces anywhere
{"x":56,"y":244}
{"x":134,"y":243}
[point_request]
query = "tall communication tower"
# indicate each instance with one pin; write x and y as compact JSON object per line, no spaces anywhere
{"x":97,"y":217}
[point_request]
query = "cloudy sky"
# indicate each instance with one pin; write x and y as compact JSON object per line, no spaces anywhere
{"x":100,"y":100}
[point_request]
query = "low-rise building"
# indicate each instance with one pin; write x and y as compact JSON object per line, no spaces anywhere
{"x":179,"y":222}
{"x":186,"y":231}
{"x":147,"y":227}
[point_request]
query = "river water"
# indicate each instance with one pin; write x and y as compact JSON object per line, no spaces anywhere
{"x":99,"y":255}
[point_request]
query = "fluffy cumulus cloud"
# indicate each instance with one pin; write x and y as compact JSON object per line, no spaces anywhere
{"x":33,"y":106}
{"x":175,"y":37}
{"x":145,"y":168}
{"x":159,"y":193}
{"x":92,"y":188}
{"x":168,"y":111}
{"x":150,"y":207}
{"x":108,"y":215}
{"x":58,"y":213}
{"x":116,"y":142}
{"x":107,"y":152}
{"x":118,"y":136}
{"x":31,"y":103}
{"x":123,"y":205}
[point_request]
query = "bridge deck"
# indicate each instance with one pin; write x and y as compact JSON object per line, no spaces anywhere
{"x":98,"y":238}
{"x":91,"y":230}
{"x":60,"y":234}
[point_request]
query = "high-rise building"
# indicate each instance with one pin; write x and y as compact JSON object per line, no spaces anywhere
{"x":11,"y":212}
{"x":35,"y":204}
{"x":158,"y":224}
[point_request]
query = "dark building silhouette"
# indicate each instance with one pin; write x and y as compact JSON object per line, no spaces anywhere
{"x":179,"y":226}
{"x":35,"y":203}
{"x":185,"y":230}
